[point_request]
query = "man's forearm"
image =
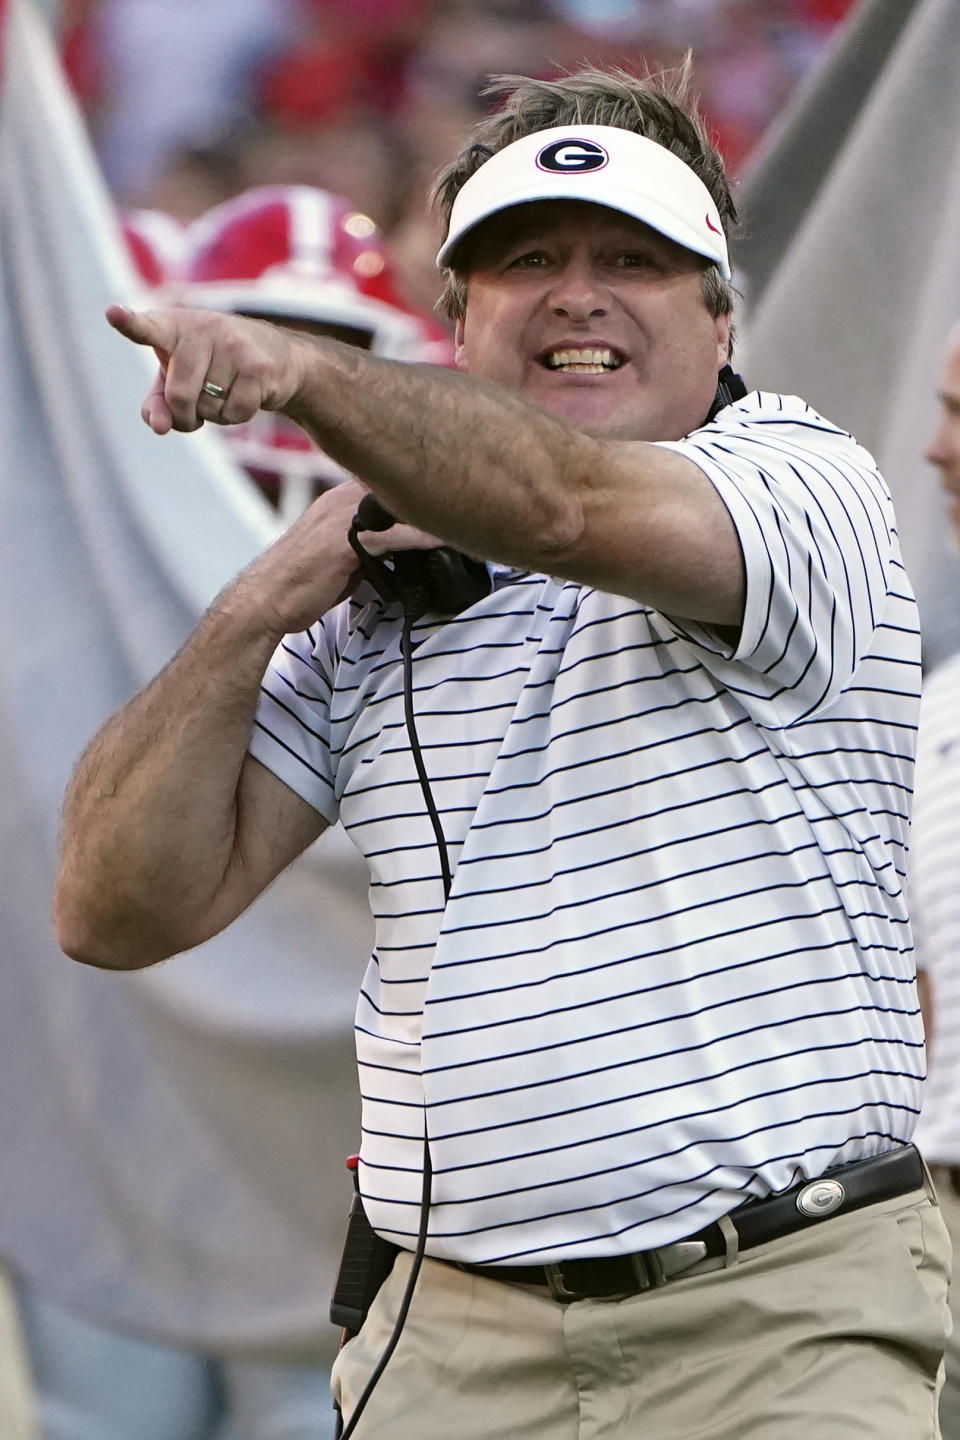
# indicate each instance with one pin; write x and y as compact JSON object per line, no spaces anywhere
{"x":149,"y":818}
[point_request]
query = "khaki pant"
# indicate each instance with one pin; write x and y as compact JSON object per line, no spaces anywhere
{"x":832,"y":1333}
{"x":950,"y":1398}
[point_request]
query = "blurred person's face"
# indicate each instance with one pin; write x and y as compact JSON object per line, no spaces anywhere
{"x":187,"y":189}
{"x":593,"y":316}
{"x":413,"y":248}
{"x":943,"y":448}
{"x":355,"y":161}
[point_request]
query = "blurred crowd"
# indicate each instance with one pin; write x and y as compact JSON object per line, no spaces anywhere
{"x":190,"y":104}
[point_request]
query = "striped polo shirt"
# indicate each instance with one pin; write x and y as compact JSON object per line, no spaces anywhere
{"x":935,"y":905}
{"x":675,"y":967}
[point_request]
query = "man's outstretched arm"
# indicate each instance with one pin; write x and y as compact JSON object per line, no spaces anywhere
{"x":463,"y":458}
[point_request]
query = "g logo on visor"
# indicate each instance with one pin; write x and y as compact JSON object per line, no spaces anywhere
{"x":572,"y":157}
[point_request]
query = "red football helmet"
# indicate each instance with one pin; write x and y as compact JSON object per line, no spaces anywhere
{"x":299,"y":254}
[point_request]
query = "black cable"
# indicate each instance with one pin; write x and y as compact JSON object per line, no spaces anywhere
{"x":418,"y":1255}
{"x":412,"y":603}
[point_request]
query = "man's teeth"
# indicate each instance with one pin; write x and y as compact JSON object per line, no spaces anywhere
{"x":583,"y":362}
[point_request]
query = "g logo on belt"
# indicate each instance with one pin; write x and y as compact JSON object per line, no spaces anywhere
{"x":821,"y":1197}
{"x":572,"y":157}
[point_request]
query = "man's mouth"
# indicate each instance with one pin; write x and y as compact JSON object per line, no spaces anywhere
{"x":583,"y":359}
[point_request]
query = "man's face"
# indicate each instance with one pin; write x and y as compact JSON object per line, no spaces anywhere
{"x":593,"y":316}
{"x":944,"y":447}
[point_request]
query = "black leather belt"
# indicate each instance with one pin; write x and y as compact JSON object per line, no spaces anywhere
{"x":835,"y":1192}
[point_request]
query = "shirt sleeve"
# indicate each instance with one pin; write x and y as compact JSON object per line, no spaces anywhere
{"x":817,"y":533}
{"x":291,"y":728}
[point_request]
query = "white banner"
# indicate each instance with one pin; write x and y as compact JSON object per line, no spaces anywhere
{"x":173,"y":1139}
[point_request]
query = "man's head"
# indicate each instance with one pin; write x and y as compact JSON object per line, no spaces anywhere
{"x":943,"y":449}
{"x":621,"y":208}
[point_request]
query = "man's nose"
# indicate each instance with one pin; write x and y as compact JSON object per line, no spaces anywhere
{"x":578,"y":292}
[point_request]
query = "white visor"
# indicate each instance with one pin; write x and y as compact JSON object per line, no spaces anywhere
{"x":601,"y":164}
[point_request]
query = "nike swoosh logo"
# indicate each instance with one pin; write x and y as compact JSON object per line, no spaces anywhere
{"x":716,"y":230}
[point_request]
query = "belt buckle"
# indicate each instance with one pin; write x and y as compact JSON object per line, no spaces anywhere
{"x":654,"y":1268}
{"x":680,"y":1256}
{"x":651,"y":1268}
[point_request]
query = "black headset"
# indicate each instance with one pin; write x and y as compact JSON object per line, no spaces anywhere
{"x":730,"y":387}
{"x":442,"y":580}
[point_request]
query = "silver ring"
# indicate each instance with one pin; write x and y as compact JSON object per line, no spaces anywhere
{"x":217,"y":391}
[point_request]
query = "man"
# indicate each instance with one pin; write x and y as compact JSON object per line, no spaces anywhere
{"x":934,"y":866}
{"x":667,"y":986}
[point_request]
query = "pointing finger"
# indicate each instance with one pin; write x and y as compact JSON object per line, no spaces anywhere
{"x":144,"y":327}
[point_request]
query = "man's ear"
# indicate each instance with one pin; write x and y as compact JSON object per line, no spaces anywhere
{"x":723,"y":339}
{"x":459,"y":358}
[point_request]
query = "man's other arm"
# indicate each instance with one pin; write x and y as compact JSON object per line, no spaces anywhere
{"x":170,"y":830}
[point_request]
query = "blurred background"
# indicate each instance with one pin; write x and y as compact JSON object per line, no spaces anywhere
{"x":172,"y":1190}
{"x":189,"y":104}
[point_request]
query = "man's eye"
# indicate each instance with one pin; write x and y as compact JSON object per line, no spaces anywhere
{"x":530,"y":260}
{"x":635,"y":260}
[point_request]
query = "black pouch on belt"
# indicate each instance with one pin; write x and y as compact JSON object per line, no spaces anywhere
{"x":365,"y":1263}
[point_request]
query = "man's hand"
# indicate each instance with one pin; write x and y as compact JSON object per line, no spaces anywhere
{"x":311,"y":567}
{"x":250,"y":365}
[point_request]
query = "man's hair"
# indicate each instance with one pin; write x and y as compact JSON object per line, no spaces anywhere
{"x":658,"y":106}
